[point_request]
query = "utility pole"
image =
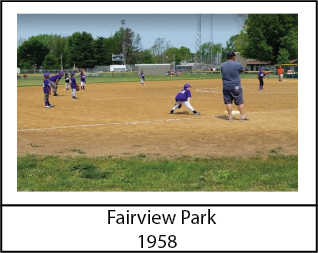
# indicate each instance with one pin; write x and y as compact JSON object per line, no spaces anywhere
{"x":211,"y":39}
{"x":124,"y":41}
{"x":198,"y":43}
{"x":61,"y":63}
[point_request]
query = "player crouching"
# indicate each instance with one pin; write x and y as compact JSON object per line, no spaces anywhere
{"x":183,"y":97}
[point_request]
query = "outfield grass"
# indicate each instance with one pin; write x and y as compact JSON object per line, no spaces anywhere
{"x":140,"y":173}
{"x":37,"y":80}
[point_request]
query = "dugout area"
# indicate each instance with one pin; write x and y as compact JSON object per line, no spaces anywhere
{"x":290,"y":70}
{"x":126,"y":119}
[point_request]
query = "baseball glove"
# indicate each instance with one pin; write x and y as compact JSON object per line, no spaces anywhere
{"x":77,"y":88}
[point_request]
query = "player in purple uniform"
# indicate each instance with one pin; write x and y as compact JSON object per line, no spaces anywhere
{"x":46,"y":90}
{"x":142,"y":78}
{"x":183,"y":97}
{"x":261,"y":76}
{"x":82,"y":80}
{"x":74,"y":85}
{"x":54,"y":80}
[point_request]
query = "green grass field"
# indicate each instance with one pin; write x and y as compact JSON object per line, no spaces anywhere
{"x":139,"y":173}
{"x":37,"y":80}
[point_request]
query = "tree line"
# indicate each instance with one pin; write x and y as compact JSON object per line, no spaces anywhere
{"x":264,"y":37}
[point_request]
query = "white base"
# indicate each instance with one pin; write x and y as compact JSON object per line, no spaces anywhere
{"x":233,"y":112}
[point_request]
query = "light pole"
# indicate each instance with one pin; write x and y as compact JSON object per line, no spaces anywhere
{"x":61,"y":62}
{"x":124,"y":43}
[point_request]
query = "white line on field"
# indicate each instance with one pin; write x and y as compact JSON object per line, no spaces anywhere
{"x":141,"y":122}
{"x":112,"y":98}
{"x":210,"y":90}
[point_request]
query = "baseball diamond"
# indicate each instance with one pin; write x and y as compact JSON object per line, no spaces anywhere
{"x":124,"y":119}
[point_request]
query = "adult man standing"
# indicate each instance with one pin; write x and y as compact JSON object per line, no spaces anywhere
{"x":54,"y":80}
{"x":232,"y":89}
{"x":280,"y":72}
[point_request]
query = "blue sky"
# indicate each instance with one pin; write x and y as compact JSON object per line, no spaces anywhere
{"x":174,"y":21}
{"x":179,"y":29}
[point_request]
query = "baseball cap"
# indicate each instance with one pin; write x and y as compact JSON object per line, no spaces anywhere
{"x":230,"y":54}
{"x":46,"y":74}
{"x":61,"y":72}
{"x":187,"y":85}
{"x":72,"y":73}
{"x":262,"y":68}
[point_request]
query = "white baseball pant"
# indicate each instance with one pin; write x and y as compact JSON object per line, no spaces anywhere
{"x":186,"y":103}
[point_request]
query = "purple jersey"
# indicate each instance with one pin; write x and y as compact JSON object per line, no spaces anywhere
{"x":73,"y":83}
{"x":142,"y":76}
{"x":46,"y":86}
{"x":260,"y":74}
{"x":53,"y":78}
{"x":83,"y":78}
{"x":183,"y":95}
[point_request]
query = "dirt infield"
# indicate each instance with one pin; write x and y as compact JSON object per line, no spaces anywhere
{"x":125,"y":119}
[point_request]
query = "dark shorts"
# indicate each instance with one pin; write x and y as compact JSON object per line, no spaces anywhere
{"x":236,"y":95}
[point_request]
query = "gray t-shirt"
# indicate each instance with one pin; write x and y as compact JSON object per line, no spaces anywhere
{"x":231,"y":77}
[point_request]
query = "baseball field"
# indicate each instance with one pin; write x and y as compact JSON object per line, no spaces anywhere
{"x":121,"y":119}
{"x":125,"y":119}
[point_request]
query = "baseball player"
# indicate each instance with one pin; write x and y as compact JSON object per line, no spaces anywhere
{"x":46,"y":90}
{"x":280,"y":72}
{"x":142,"y":78}
{"x":183,"y":97}
{"x":261,"y":76}
{"x":67,"y":81}
{"x":82,"y":80}
{"x":54,"y":80}
{"x":74,"y":85}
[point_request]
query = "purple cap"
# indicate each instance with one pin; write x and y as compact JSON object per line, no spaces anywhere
{"x":72,"y":74}
{"x":187,"y":85}
{"x":230,"y":54}
{"x":46,"y":74}
{"x":262,"y":68}
{"x":61,"y":72}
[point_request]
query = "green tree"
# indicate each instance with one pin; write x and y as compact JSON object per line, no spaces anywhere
{"x":51,"y":62}
{"x":57,"y":45}
{"x":31,"y":52}
{"x":145,"y":56}
{"x":60,"y":49}
{"x":159,"y":47}
{"x":185,"y":54}
{"x":231,"y":43}
{"x":172,"y":54}
{"x":268,"y":33}
{"x":132,"y":44}
{"x":46,"y":39}
{"x":116,"y":46}
{"x":283,"y":56}
{"x":25,"y":64}
{"x":102,"y":52}
{"x":81,"y":50}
